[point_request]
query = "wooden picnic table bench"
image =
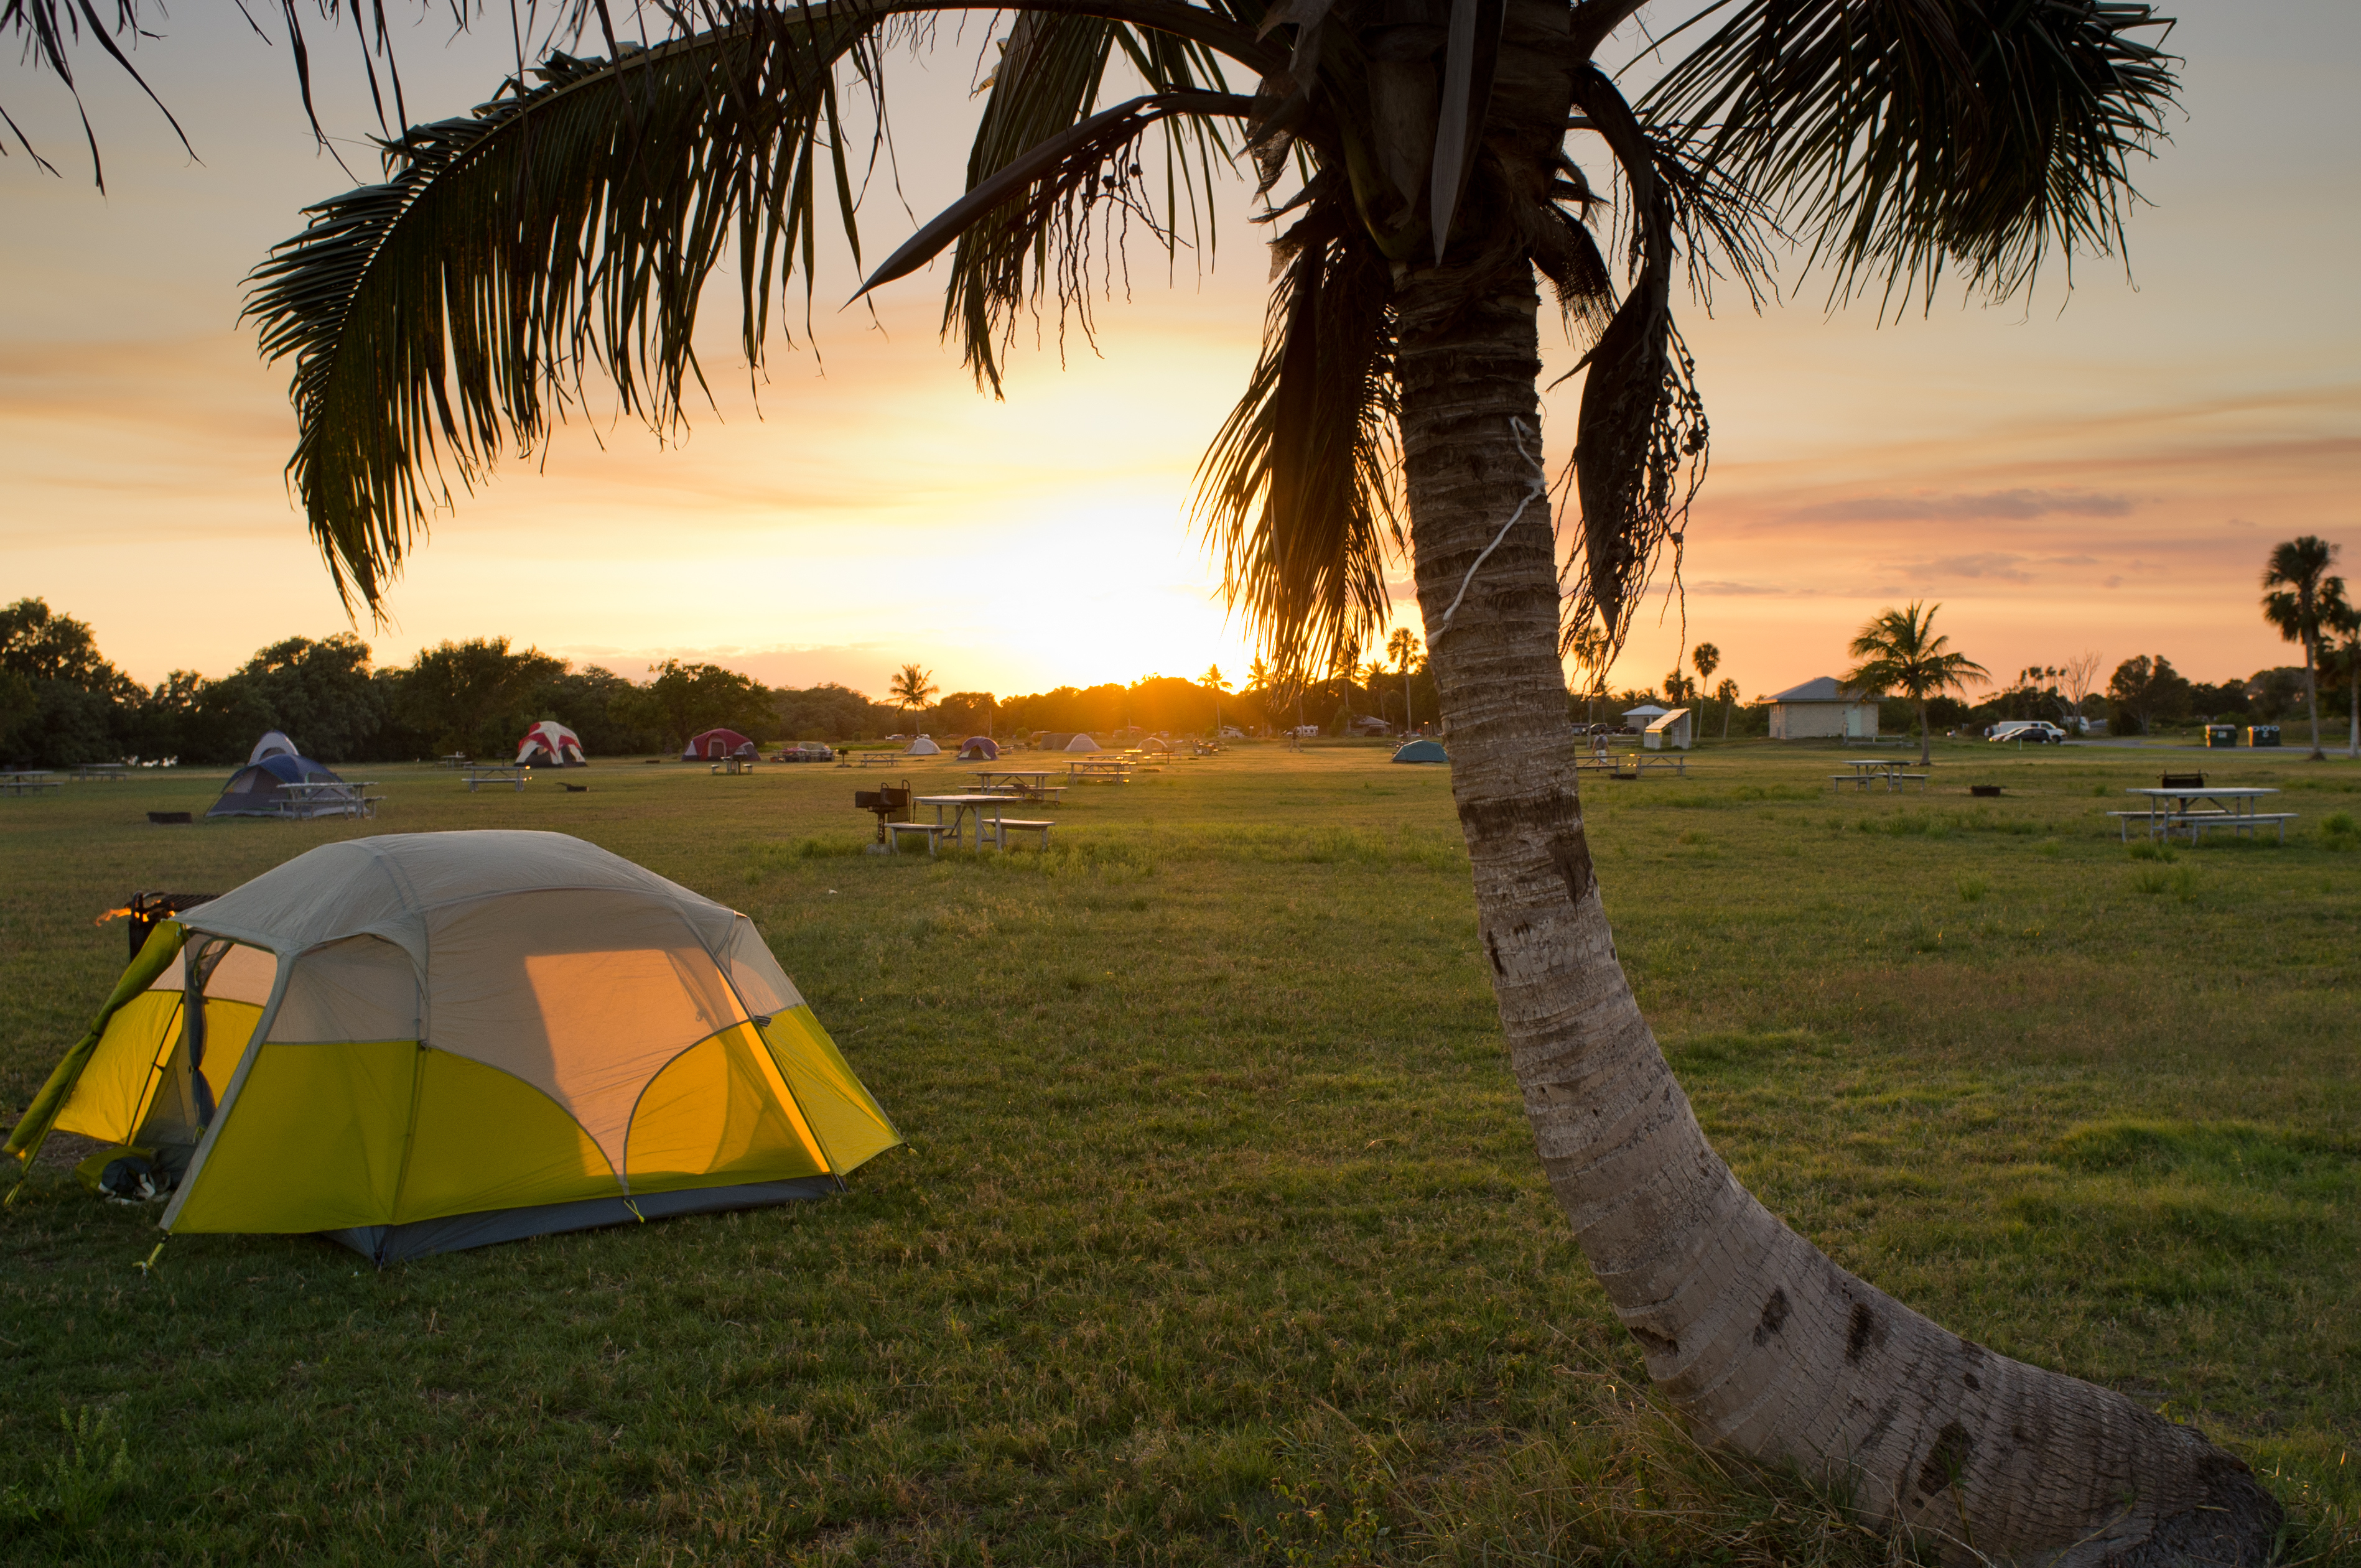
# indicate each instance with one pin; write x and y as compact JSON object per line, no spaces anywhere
{"x":85,"y":771}
{"x":24,"y":784}
{"x":931,"y":831}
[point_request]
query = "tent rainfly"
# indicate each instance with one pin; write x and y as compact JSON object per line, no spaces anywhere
{"x":428,"y":1041}
{"x":550,"y":744}
{"x":924,"y":746}
{"x":274,"y":743}
{"x":1082,"y":743}
{"x":713,"y":745}
{"x":253,"y":790}
{"x":1421,"y":751}
{"x":979,"y":748}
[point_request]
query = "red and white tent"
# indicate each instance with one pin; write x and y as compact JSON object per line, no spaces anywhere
{"x":716,"y":744}
{"x":550,"y":744}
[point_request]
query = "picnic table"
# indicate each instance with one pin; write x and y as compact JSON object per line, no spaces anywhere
{"x":1026,"y":783}
{"x":2224,"y":805}
{"x":328,"y":797}
{"x":27,"y":781}
{"x":880,"y":759}
{"x":118,"y":771}
{"x":454,"y":759}
{"x":1110,"y":770}
{"x":1894,"y":771}
{"x":517,"y":776}
{"x":734,"y":765}
{"x":961,"y":808}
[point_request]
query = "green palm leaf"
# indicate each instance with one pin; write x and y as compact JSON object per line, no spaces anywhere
{"x":1906,"y":135}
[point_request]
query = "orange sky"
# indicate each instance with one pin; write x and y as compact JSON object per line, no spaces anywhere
{"x":2106,"y":477}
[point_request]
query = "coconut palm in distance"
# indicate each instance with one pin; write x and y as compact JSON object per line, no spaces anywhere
{"x":2292,"y":583}
{"x":1706,"y":659}
{"x":912,"y":687}
{"x":2340,"y":621}
{"x":1402,"y":648}
{"x":1726,"y":694}
{"x":1900,"y":652}
{"x":1423,"y":161}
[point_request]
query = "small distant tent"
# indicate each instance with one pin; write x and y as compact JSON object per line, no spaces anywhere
{"x":1082,"y":743}
{"x":605,"y":1047}
{"x":253,"y":790}
{"x":715,"y":744}
{"x":979,"y":748}
{"x":1370,"y":724}
{"x":274,"y":743}
{"x":1421,"y":751}
{"x":550,"y":744}
{"x":924,"y":746}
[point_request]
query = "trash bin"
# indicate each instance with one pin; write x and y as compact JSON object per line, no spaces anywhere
{"x":2262,"y":734}
{"x":2221,"y":735}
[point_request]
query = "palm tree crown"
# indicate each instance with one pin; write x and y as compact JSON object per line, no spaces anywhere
{"x":2293,"y":601}
{"x":912,"y":687}
{"x":1900,"y":652}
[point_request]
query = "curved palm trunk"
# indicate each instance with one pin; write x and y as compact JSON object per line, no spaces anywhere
{"x":1758,"y":1340}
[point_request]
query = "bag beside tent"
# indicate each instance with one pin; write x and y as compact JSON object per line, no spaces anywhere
{"x":428,"y":1041}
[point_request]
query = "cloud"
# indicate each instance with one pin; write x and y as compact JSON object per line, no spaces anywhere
{"x":2017,"y":505}
{"x":1994,"y":566}
{"x":1747,"y":590}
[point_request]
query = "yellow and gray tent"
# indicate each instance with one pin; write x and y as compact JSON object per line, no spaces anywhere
{"x":427,"y":1041}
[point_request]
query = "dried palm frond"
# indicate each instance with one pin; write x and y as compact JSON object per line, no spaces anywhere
{"x":1299,"y":490}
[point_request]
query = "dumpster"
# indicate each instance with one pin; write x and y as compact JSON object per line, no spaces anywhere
{"x":2218,"y":735}
{"x":2262,"y":734}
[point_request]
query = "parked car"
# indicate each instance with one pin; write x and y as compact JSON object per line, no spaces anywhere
{"x":2039,"y":732}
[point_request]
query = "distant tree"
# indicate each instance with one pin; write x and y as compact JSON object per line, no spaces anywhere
{"x":2340,"y":616}
{"x":66,"y":703}
{"x":830,"y":712}
{"x":912,"y":687}
{"x":967,"y":713}
{"x":1705,"y":658}
{"x":686,"y":699}
{"x":2292,"y":579}
{"x":474,"y":697}
{"x":1402,"y":648}
{"x":2143,"y":690}
{"x":1901,"y":652}
{"x":1726,"y":694}
{"x":2080,"y":678}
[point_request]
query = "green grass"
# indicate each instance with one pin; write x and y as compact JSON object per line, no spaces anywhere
{"x":1220,"y":1236}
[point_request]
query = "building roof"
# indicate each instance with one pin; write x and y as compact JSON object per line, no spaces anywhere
{"x":1822,"y":688}
{"x":1647,"y":708}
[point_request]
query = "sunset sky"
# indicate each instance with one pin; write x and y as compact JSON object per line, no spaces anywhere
{"x":2104,"y":474}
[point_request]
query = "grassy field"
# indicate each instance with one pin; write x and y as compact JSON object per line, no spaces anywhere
{"x":1219,"y":1237}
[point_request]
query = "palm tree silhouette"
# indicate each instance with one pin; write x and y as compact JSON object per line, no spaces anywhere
{"x":1424,"y":161}
{"x":1706,"y":658}
{"x":912,"y":687}
{"x":1402,"y":648}
{"x":2293,"y":580}
{"x":1900,"y":652}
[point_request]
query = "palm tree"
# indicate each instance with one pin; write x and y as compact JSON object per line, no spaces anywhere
{"x":912,"y":687}
{"x":1424,"y":161}
{"x":1726,"y":694}
{"x":1899,"y":652}
{"x":2339,"y":614}
{"x":2292,"y":602}
{"x":1402,"y":648}
{"x":1705,"y":658}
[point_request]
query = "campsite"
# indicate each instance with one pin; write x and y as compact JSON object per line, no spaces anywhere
{"x":1218,"y":1234}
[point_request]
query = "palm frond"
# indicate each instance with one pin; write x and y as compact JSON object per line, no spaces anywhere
{"x":1640,"y":435}
{"x":1051,"y":69}
{"x":1903,"y":135}
{"x":1299,"y":490}
{"x":567,"y":225}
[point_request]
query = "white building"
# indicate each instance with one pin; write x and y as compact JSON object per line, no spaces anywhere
{"x":1822,"y":709}
{"x":1637,"y":719}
